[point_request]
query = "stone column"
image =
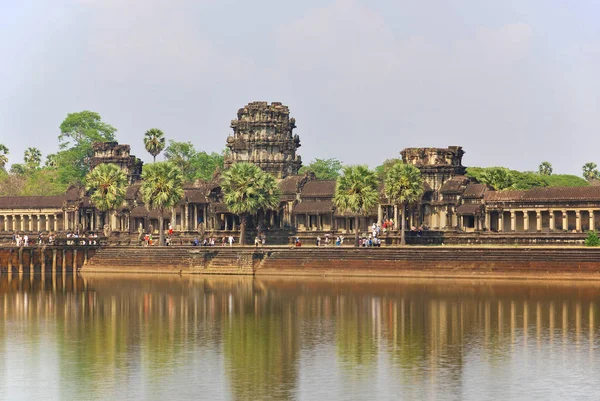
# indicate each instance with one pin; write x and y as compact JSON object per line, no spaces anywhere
{"x":173,"y":217}
{"x":564,"y":221}
{"x":538,"y":220}
{"x":552,"y":222}
{"x":47,"y":222}
{"x":379,"y":214}
{"x":487,"y":221}
{"x":5,"y":222}
{"x":513,"y":221}
{"x":318,"y":222}
{"x":65,"y":221}
{"x":307,"y":222}
{"x":397,"y":224}
{"x":55,"y":221}
{"x":592,"y":222}
{"x":39,"y":222}
{"x":501,"y":221}
{"x":578,"y":221}
{"x":22,"y":222}
{"x":186,"y":217}
{"x":525,"y":220}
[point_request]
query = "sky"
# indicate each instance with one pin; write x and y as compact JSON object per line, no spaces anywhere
{"x":513,"y":82}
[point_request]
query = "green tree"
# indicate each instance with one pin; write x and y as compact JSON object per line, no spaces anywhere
{"x":3,"y":155}
{"x":565,"y":180}
{"x":247,"y":189}
{"x":154,"y":141}
{"x":324,"y":169}
{"x":193,"y":164}
{"x":32,"y":158}
{"x":590,"y":172}
{"x":108,"y":183}
{"x":77,"y":134}
{"x":592,"y":239}
{"x":356,"y":192}
{"x":403,"y":184}
{"x":161,"y":189}
{"x":382,"y":169}
{"x":545,"y":168}
{"x":18,"y":169}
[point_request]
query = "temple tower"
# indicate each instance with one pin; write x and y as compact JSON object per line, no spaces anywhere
{"x":262,"y":135}
{"x":437,"y":165}
{"x":113,"y":153}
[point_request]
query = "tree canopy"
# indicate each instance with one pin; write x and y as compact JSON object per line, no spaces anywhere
{"x":356,"y":192}
{"x":502,"y":178}
{"x":3,"y":155}
{"x":324,"y":169}
{"x":108,"y":183}
{"x":402,"y":185}
{"x":193,"y":164}
{"x":32,"y":158}
{"x":154,"y":142}
{"x":248,"y":189}
{"x":161,"y":189}
{"x":590,"y":171}
{"x":545,"y":168}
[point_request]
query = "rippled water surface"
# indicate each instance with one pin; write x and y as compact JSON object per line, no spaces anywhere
{"x":231,"y":338}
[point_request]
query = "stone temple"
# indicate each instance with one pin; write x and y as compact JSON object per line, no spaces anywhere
{"x":263,"y":135}
{"x":453,"y":209}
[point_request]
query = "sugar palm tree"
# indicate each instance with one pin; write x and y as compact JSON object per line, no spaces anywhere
{"x":32,"y":158}
{"x":3,"y":157}
{"x":154,"y":141}
{"x":545,"y":168}
{"x":402,"y":185}
{"x":161,"y":189}
{"x":248,"y":189}
{"x":356,"y":192}
{"x":108,"y":183}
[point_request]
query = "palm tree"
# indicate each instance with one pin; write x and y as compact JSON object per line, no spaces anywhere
{"x":248,"y":189}
{"x":356,"y":192}
{"x":32,"y":158}
{"x":545,"y":168}
{"x":403,"y":184}
{"x":108,"y":183}
{"x":154,"y":141}
{"x":590,"y":172}
{"x":162,"y":189}
{"x":3,"y":157}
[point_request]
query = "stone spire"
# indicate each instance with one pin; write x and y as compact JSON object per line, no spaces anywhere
{"x":262,"y":135}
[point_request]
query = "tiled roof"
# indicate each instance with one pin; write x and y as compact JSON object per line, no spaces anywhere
{"x":32,"y":202}
{"x":289,"y":185}
{"x":548,"y":194}
{"x":475,"y":191}
{"x":454,"y":184}
{"x":314,"y":207}
{"x":470,"y":208}
{"x":319,"y":188}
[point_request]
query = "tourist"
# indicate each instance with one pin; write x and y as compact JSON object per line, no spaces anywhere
{"x":298,"y":242}
{"x":223,"y":241}
{"x":170,"y":229}
{"x":256,"y":241}
{"x":167,"y":241}
{"x":326,"y":241}
{"x":230,"y":239}
{"x":338,"y":242}
{"x":26,"y":240}
{"x":212,"y":241}
{"x":195,"y":242}
{"x":341,"y":240}
{"x":318,"y":241}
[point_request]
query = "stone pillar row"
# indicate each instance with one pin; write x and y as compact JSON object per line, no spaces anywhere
{"x":527,"y":224}
{"x":16,"y":222}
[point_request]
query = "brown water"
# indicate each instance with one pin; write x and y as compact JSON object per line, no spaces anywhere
{"x":230,"y":338}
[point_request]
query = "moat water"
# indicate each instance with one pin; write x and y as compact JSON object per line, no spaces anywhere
{"x":98,"y":337}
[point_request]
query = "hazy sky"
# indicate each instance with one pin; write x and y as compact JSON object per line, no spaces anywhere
{"x":513,"y":82}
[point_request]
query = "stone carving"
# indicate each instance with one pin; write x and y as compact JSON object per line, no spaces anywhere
{"x":262,"y":134}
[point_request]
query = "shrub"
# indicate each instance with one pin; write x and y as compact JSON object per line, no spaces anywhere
{"x":592,"y":239}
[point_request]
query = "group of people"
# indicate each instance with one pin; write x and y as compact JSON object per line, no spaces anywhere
{"x":212,"y":241}
{"x":73,"y":238}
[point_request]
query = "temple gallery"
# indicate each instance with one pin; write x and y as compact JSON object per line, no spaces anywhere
{"x":452,"y":205}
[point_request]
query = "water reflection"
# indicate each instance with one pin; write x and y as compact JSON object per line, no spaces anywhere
{"x":151,"y":337}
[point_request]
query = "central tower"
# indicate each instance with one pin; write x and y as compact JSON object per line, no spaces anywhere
{"x":262,"y":135}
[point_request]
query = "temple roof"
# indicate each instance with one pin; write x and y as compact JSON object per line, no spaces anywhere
{"x":323,"y":207}
{"x":319,"y":188}
{"x":470,"y":208}
{"x":475,"y":191}
{"x":32,"y":202}
{"x":547,"y":194}
{"x":289,"y":185}
{"x":454,"y":184}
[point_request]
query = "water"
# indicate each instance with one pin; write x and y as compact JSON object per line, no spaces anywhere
{"x":231,"y":338}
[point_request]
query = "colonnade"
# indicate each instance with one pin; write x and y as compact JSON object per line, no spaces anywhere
{"x":30,"y":222}
{"x":537,"y":220}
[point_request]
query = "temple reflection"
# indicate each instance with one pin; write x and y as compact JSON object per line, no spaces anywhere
{"x":265,"y":329}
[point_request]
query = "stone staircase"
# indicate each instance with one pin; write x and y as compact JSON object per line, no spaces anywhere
{"x":140,"y":259}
